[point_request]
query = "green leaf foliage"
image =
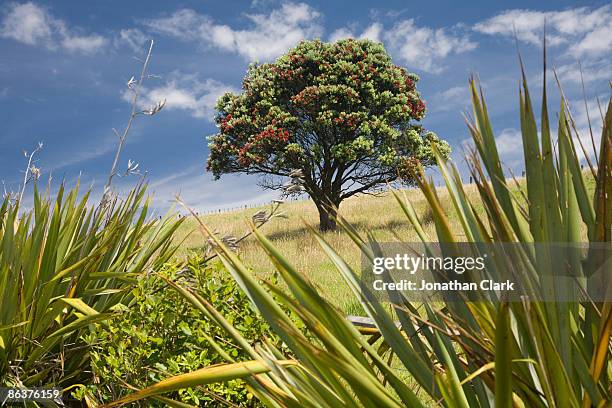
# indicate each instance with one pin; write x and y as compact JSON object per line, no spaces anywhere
{"x":161,"y":335}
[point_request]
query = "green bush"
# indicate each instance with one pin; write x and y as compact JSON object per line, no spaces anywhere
{"x":160,"y":335}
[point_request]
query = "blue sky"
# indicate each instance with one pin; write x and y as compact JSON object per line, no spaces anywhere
{"x":64,"y":67}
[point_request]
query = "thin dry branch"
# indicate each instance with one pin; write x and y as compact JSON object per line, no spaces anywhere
{"x":135,"y":88}
{"x":27,"y":172}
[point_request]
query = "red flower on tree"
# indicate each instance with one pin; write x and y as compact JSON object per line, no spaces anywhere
{"x":343,"y":106}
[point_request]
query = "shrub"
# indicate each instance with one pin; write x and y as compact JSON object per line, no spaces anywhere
{"x":160,"y":335}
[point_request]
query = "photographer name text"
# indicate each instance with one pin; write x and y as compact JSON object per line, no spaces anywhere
{"x":450,"y":286}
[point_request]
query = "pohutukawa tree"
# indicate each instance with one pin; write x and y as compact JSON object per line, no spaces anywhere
{"x":341,"y":112}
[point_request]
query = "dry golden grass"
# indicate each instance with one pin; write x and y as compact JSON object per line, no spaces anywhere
{"x":379,"y":215}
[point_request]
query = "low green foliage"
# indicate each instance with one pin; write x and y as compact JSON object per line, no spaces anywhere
{"x":160,"y":335}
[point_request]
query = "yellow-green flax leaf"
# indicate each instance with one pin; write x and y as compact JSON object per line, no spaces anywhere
{"x":208,"y":375}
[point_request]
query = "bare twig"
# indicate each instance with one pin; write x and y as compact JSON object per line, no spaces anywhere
{"x":6,"y":193}
{"x":135,"y":88}
{"x":29,"y":171}
{"x":259,"y":219}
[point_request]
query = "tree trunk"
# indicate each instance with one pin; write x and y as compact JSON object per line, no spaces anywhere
{"x":327,"y":218}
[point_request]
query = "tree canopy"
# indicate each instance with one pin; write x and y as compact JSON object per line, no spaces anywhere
{"x":341,"y":112}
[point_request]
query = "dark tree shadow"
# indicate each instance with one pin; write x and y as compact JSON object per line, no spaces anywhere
{"x":304,"y":231}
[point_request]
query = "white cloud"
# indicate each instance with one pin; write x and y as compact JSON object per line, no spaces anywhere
{"x":510,"y":141}
{"x":581,"y":119}
{"x":424,"y":47}
{"x":26,"y":23}
{"x":133,"y":38}
{"x":456,"y":93}
{"x":341,"y":34}
{"x":199,"y":191}
{"x":419,"y":47}
{"x":585,"y":31}
{"x":598,"y":41}
{"x":509,"y":144}
{"x":85,"y":44}
{"x":84,"y":155}
{"x":31,"y":24}
{"x":268,"y":36}
{"x":591,"y":71}
{"x":372,"y":32}
{"x":455,"y":98}
{"x":185,"y":92}
{"x":184,"y":24}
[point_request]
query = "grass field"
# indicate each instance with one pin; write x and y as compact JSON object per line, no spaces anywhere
{"x":380,"y":215}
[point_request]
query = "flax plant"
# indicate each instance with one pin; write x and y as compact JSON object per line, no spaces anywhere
{"x":460,"y":354}
{"x":64,"y":265}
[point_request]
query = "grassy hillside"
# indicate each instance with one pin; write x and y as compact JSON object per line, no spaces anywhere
{"x":380,"y":215}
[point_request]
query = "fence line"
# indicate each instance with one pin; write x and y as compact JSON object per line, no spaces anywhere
{"x":223,"y":210}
